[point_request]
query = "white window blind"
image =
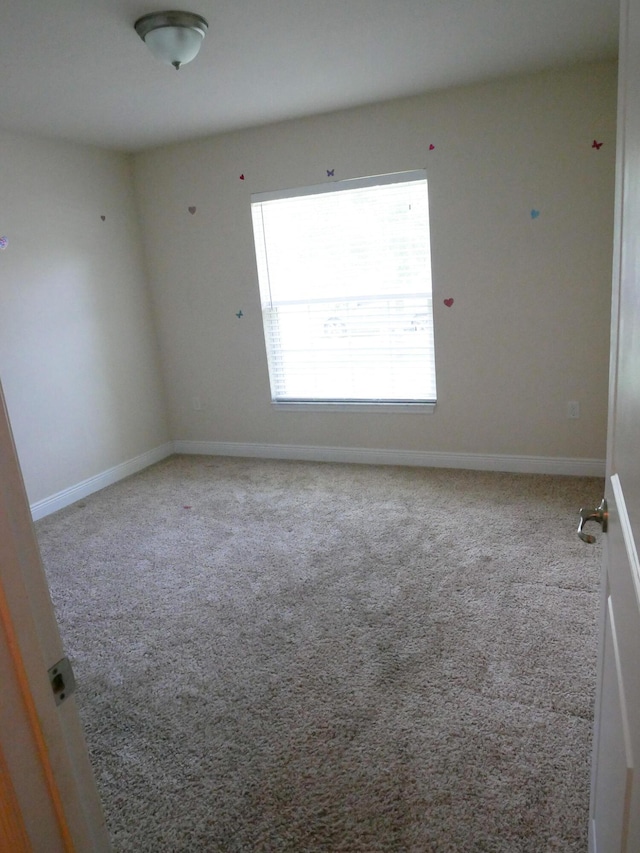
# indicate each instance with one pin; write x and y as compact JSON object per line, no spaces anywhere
{"x":345,"y":282}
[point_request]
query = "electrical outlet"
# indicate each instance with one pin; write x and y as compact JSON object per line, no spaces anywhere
{"x":573,"y":409}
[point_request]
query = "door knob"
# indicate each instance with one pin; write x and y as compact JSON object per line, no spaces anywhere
{"x":599,"y":514}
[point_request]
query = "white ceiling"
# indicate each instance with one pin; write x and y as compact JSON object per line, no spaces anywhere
{"x":77,"y":70}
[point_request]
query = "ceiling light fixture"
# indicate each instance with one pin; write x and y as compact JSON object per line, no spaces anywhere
{"x":172,"y":37}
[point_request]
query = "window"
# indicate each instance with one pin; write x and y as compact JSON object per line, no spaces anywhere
{"x":345,"y":282}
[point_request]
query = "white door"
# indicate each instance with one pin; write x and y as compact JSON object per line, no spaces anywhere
{"x":615,"y":791}
{"x":48,"y":797}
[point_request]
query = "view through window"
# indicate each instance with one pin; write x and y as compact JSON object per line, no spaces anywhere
{"x":345,"y":282}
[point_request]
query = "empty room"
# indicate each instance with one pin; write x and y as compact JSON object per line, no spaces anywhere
{"x":315,"y":350}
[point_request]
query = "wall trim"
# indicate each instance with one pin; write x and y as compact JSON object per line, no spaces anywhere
{"x":46,"y":506}
{"x":355,"y":455}
{"x":420,"y":458}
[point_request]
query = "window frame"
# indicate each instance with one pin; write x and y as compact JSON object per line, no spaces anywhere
{"x":425,"y":406}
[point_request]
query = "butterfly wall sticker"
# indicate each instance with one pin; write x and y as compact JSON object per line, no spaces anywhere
{"x":597,"y":145}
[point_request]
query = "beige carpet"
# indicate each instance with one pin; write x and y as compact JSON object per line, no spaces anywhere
{"x":308,"y":658}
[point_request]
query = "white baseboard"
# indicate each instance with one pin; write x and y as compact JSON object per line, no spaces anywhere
{"x":75,"y":493}
{"x":361,"y":455}
{"x":420,"y":458}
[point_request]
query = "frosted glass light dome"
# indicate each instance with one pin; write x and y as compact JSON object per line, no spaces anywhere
{"x":172,"y":37}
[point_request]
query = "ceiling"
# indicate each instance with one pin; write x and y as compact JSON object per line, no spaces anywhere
{"x":77,"y":70}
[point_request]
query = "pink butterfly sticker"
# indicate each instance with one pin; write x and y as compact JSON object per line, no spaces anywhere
{"x":4,"y":242}
{"x":448,"y":302}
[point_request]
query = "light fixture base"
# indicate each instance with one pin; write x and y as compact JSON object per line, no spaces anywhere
{"x":172,"y":18}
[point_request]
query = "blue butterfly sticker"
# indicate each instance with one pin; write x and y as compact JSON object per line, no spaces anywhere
{"x":330,"y":173}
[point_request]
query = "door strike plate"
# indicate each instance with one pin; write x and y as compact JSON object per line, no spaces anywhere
{"x":62,"y":680}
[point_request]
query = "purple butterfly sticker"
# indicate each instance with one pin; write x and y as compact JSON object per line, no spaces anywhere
{"x":4,"y":242}
{"x":330,"y":173}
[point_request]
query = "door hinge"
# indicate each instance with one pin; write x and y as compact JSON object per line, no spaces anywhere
{"x":62,"y":680}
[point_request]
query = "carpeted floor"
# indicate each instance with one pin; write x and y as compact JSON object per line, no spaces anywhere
{"x":292,"y":657}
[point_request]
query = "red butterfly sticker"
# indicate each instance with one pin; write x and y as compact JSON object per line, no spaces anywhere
{"x":431,"y":147}
{"x":597,"y":145}
{"x":242,"y":177}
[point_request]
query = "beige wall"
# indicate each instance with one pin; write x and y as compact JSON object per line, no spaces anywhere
{"x":78,"y":354}
{"x":529,"y":327}
{"x":528,"y":330}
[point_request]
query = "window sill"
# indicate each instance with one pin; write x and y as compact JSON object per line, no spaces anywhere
{"x":364,"y":408}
